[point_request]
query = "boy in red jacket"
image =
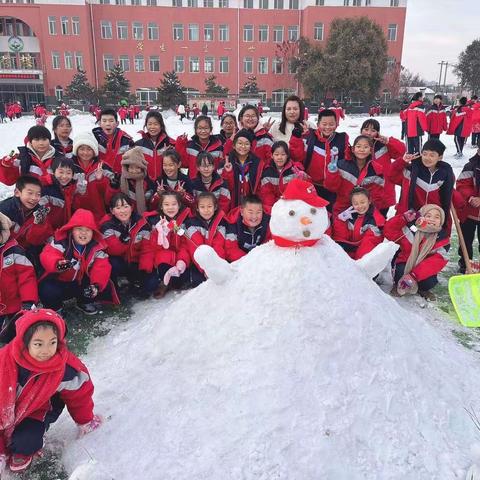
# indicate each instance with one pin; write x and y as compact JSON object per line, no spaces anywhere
{"x":76,"y":266}
{"x":460,"y":125}
{"x":415,"y":123}
{"x":436,"y":118}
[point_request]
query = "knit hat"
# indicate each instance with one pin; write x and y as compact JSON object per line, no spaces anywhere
{"x":244,"y":133}
{"x":134,"y":157}
{"x":5,"y":226}
{"x":85,"y":138}
{"x":429,"y":207}
{"x":298,"y":189}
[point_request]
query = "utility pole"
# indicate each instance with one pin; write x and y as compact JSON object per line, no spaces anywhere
{"x":445,"y":77}
{"x":440,"y":77}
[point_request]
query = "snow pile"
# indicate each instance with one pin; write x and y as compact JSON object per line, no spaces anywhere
{"x":297,"y":368}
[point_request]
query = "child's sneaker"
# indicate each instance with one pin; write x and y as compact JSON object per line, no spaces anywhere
{"x":87,"y":308}
{"x":19,"y":462}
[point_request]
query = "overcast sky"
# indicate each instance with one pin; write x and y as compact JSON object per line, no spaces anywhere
{"x":438,"y":30}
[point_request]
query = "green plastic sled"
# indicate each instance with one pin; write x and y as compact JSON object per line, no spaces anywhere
{"x":465,"y":294}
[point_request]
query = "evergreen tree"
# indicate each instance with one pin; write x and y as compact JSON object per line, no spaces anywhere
{"x":213,"y":88}
{"x":80,"y":89}
{"x":307,"y":65}
{"x":468,"y":67}
{"x":250,"y":87}
{"x":116,"y":87}
{"x":170,"y":92}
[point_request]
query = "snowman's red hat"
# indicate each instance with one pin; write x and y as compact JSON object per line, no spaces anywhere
{"x":299,"y":189}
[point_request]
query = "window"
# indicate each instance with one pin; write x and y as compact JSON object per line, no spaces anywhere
{"x":177,"y":31}
{"x":247,"y":3}
{"x":357,"y":3}
{"x":137,"y":31}
{"x":263,"y":33}
{"x":139,"y":63}
{"x":107,"y":62}
{"x":278,"y":33}
{"x":192,"y":3}
{"x":291,"y":68}
{"x":52,"y":25}
{"x":223,"y":65}
{"x":293,"y":4}
{"x":368,"y":3}
{"x":193,"y":65}
{"x":278,"y":4}
{"x":277,"y":66}
{"x":147,"y":96}
{"x":64,"y":25}
{"x":293,"y":33}
{"x":104,"y":2}
{"x":59,"y":93}
{"x":248,"y":33}
{"x":394,"y":3}
{"x":136,"y":2}
{"x":392,"y":32}
{"x":75,"y":25}
{"x":78,"y":61}
{"x":346,"y":3}
{"x":68,"y":57}
{"x":151,"y":3}
{"x":263,"y":65}
{"x":154,"y":63}
{"x":153,"y":31}
{"x":209,"y":65}
{"x":208,"y":3}
{"x":106,"y":28}
{"x":279,"y":97}
{"x":248,"y":65}
{"x":224,"y":33}
{"x":193,"y":32}
{"x":179,"y":64}
{"x":122,"y":30}
{"x":55,"y":60}
{"x":176,"y":3}
{"x":320,"y":3}
{"x":263,"y":4}
{"x":318,"y":31}
{"x":222,"y":3}
{"x":208,"y":32}
{"x":119,"y":2}
{"x":125,"y":63}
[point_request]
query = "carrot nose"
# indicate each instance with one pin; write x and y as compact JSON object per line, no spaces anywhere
{"x":305,"y":221}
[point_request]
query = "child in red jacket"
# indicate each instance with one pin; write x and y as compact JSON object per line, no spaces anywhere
{"x":422,"y":255}
{"x":415,"y":123}
{"x":460,"y":125}
{"x":207,"y":227}
{"x":38,"y":377}
{"x":76,"y":266}
{"x":169,"y":242}
{"x":358,"y":230}
{"x":129,"y":247}
{"x":436,"y":118}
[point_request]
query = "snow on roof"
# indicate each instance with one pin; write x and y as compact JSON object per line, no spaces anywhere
{"x":425,"y":90}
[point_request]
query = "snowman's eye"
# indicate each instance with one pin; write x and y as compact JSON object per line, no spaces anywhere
{"x":313,"y":211}
{"x":291,"y":213}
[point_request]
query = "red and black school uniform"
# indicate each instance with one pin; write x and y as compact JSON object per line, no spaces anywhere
{"x":425,"y":273}
{"x":153,"y":152}
{"x":314,"y":152}
{"x":26,"y":162}
{"x":460,"y":126}
{"x":476,"y":124}
{"x":190,"y":149}
{"x":261,"y":145}
{"x":359,"y":234}
{"x":130,"y":252}
{"x":436,"y":121}
{"x":240,"y":239}
{"x":90,"y":265}
{"x":244,"y":179}
{"x":112,"y":147}
{"x":218,"y":186}
{"x":274,"y":182}
{"x":201,"y":232}
{"x":173,"y":185}
{"x":65,"y":149}
{"x":149,"y":188}
{"x":415,"y":125}
{"x":339,"y":112}
{"x":166,"y":258}
{"x":468,"y":185}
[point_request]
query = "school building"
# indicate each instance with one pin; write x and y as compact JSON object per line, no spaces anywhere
{"x":43,"y":42}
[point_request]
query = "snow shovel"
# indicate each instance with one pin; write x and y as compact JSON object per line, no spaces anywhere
{"x":464,"y":290}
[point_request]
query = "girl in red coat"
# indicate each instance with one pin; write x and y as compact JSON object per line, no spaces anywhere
{"x":129,"y":246}
{"x":76,"y":266}
{"x":38,"y":377}
{"x":422,"y":254}
{"x":207,"y":227}
{"x":61,"y":141}
{"x":228,"y":127}
{"x":154,"y":142}
{"x":169,"y":242}
{"x":415,"y":123}
{"x":358,"y":230}
{"x":460,"y":125}
{"x":436,"y":118}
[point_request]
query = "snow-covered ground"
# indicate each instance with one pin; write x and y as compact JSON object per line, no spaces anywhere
{"x":300,"y":369}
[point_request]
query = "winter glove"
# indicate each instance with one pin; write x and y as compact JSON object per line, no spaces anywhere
{"x":115,"y":181}
{"x":92,"y":425}
{"x":332,"y":166}
{"x":9,"y":160}
{"x":410,"y":215}
{"x":162,"y":228}
{"x":297,"y":130}
{"x":81,"y":184}
{"x":28,"y":306}
{"x":175,"y":271}
{"x":3,"y":463}
{"x":407,"y":284}
{"x":40,"y":214}
{"x":125,"y":237}
{"x":64,"y":265}
{"x":346,"y":214}
{"x":421,"y":222}
{"x":301,"y":174}
{"x":91,"y":291}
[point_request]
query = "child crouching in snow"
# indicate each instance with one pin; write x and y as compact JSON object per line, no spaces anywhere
{"x":169,"y":243}
{"x":38,"y":377}
{"x":422,"y":254}
{"x":358,"y":230}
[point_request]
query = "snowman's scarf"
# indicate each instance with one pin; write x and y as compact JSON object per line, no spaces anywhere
{"x":284,"y":242}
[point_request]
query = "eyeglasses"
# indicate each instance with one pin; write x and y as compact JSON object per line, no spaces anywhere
{"x":242,"y":144}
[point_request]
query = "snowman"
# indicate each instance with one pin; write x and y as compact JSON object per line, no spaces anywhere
{"x":299,"y":220}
